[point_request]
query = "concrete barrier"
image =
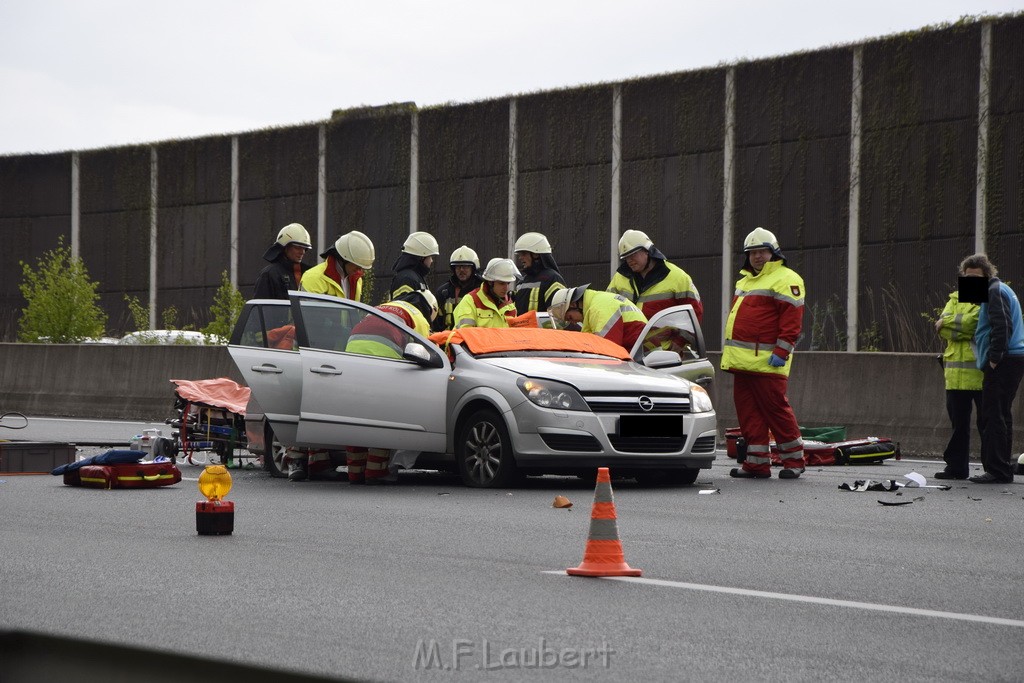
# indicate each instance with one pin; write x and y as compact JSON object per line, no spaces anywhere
{"x":899,"y":395}
{"x":103,"y":381}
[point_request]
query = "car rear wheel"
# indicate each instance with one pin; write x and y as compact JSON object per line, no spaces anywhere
{"x":273,"y":453}
{"x":484,"y":452}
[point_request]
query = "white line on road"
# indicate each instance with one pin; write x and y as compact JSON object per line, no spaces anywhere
{"x":915,"y":611}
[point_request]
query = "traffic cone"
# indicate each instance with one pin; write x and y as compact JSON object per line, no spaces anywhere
{"x":603,"y":555}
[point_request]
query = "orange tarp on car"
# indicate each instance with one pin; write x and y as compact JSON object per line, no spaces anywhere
{"x":498,"y":339}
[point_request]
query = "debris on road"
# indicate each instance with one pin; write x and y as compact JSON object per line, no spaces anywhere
{"x":561,"y":502}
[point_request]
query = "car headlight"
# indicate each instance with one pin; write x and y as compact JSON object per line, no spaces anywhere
{"x":550,"y":394}
{"x":700,"y":401}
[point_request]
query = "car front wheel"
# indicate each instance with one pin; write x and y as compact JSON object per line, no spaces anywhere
{"x":484,"y":452}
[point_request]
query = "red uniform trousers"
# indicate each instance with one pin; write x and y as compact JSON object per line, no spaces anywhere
{"x":762,"y":407}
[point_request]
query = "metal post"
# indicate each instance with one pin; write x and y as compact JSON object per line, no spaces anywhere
{"x":729,"y":191}
{"x":853,"y":246}
{"x":513,"y":173}
{"x":321,"y":191}
{"x":616,"y":208}
{"x":984,"y":84}
{"x":153,"y":197}
{"x":234,"y":212}
{"x":414,"y":173}
{"x":76,"y":206}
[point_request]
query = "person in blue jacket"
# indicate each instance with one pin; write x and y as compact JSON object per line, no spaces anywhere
{"x":999,"y":348}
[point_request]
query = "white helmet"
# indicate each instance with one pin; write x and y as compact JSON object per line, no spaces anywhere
{"x":464,"y":256}
{"x":501,"y":270}
{"x":533,"y":242}
{"x":561,"y":300}
{"x":421,"y":244}
{"x":294,"y":233}
{"x":759,"y":238}
{"x":633,"y":241}
{"x":356,"y":248}
{"x":431,"y":300}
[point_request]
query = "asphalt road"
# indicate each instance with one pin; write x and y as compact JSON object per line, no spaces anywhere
{"x":427,"y":580}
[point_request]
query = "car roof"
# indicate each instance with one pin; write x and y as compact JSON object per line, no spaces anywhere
{"x":480,"y":340}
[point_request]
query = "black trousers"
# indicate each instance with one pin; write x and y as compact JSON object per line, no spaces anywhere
{"x":998,"y":391}
{"x":958,"y":451}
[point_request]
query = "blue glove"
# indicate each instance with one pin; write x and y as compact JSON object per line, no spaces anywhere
{"x":776,"y":362}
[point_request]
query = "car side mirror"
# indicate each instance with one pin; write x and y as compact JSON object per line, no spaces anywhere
{"x":662,"y":359}
{"x":420,"y":355}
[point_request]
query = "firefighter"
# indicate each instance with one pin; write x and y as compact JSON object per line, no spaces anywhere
{"x":413,"y":264}
{"x":647,"y":279}
{"x":489,"y":305}
{"x":286,"y":268}
{"x":341,"y":274}
{"x":607,"y":315}
{"x":373,"y":336}
{"x":963,"y":382}
{"x":760,"y":337}
{"x":541,"y":278}
{"x":465,"y":265}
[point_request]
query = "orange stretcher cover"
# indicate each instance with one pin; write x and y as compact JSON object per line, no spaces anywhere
{"x":219,"y":393}
{"x":497,"y":339}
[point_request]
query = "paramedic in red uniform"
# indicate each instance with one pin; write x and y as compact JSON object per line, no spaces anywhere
{"x":760,"y":336}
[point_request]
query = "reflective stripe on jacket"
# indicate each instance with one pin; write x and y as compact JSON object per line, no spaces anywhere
{"x":448,"y":297}
{"x":375,"y":337}
{"x":478,"y":310}
{"x":665,"y":286}
{"x":317,"y":281}
{"x":613,"y":317}
{"x":959,"y":321}
{"x":534,"y":293}
{"x":766,"y":317}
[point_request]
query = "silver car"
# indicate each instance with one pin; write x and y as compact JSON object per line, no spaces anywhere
{"x":491,"y":415}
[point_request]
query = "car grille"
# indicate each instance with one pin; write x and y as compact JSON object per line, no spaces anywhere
{"x":647,"y":444}
{"x":631,"y":404}
{"x":572,"y":442}
{"x":704,"y":444}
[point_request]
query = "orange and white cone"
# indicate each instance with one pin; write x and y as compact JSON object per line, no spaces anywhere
{"x":603,"y":555}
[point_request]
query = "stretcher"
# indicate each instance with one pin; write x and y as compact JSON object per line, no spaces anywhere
{"x":209,"y":422}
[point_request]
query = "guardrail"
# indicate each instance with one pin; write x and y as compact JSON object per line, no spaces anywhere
{"x":899,"y":395}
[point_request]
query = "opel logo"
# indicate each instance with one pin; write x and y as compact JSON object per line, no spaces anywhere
{"x":646,"y":403}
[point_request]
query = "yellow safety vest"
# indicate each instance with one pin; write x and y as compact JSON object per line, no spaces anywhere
{"x":478,"y":310}
{"x":316,"y":281}
{"x":958,"y":360}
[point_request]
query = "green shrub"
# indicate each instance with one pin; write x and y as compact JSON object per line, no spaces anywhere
{"x":227,"y":306}
{"x":62,"y":300}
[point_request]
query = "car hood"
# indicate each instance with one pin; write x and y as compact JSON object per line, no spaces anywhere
{"x":593,"y":374}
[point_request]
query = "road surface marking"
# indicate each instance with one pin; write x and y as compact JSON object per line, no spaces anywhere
{"x":897,"y":609}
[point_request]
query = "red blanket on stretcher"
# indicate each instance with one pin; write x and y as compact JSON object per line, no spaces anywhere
{"x":219,"y":393}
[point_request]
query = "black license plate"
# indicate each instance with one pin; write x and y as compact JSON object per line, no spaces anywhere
{"x":633,"y":426}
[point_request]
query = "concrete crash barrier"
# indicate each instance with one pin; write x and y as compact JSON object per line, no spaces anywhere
{"x":103,"y":381}
{"x":899,"y":395}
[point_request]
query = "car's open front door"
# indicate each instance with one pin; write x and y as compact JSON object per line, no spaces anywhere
{"x":676,"y":329}
{"x":357,"y":389}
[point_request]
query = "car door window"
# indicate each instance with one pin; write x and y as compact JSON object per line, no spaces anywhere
{"x":326,"y":325}
{"x":267,"y":326}
{"x":675,"y":331}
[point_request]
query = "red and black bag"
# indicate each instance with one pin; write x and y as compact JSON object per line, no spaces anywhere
{"x":139,"y":475}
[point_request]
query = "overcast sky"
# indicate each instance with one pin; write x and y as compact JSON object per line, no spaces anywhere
{"x":81,"y":74}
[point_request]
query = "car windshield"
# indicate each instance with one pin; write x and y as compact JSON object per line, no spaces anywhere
{"x":527,"y":341}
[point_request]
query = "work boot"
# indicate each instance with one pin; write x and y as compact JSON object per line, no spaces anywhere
{"x":791,"y":473}
{"x":740,"y":473}
{"x":297,"y":471}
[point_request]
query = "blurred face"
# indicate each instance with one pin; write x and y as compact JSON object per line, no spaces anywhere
{"x":294,"y":253}
{"x":463,"y":273}
{"x":500,"y":289}
{"x":574,"y":314}
{"x":525,"y":259}
{"x":759,"y":257}
{"x":428,"y":261}
{"x":638,"y":260}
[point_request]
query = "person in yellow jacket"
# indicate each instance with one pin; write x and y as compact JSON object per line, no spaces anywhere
{"x":374,"y":336}
{"x":605,"y":314}
{"x":646,"y":278}
{"x":761,"y":333}
{"x":489,"y":304}
{"x":341,"y":274}
{"x":963,"y":382}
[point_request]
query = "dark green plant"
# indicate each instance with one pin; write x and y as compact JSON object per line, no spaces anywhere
{"x":62,"y":300}
{"x":227,"y":306}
